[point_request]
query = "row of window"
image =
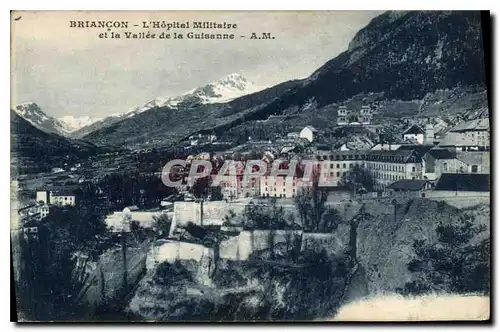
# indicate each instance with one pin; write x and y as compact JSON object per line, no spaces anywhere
{"x":479,"y":133}
{"x":357,"y":157}
{"x":389,"y":167}
{"x":60,"y":198}
{"x":389,"y":177}
{"x":293,"y":183}
{"x":338,"y":174}
{"x":343,"y":166}
{"x":363,"y":111}
{"x":430,"y":168}
{"x":233,"y":185}
{"x":276,"y":195}
{"x":340,"y":157}
{"x":275,"y":189}
{"x":381,"y":166}
{"x":359,"y":119}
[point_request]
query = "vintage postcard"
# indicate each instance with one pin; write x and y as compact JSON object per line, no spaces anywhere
{"x":250,"y":166}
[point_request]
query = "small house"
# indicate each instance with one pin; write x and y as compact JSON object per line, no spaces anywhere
{"x":414,"y":134}
{"x":308,"y":133}
{"x":407,"y":187}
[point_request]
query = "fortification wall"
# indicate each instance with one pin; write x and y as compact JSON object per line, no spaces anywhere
{"x":171,"y":251}
{"x":461,"y":199}
{"x":213,"y":212}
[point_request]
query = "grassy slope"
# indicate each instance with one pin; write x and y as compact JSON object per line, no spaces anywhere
{"x":33,"y":150}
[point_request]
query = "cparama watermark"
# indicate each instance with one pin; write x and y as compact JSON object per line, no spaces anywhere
{"x":306,"y":171}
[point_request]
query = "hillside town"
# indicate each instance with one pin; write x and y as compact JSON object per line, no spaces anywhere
{"x":410,"y":166}
{"x":453,"y":167}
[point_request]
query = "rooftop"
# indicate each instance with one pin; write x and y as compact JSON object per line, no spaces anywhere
{"x":420,"y":149}
{"x":473,"y":157}
{"x":463,"y":182}
{"x":311,"y":128}
{"x":472,"y":125}
{"x":409,"y":155}
{"x":412,"y":185}
{"x":63,"y":192}
{"x":442,"y":154}
{"x":414,"y":129}
{"x":382,"y":146}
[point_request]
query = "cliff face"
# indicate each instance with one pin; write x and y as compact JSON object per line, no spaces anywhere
{"x":385,"y":245}
{"x":405,"y":55}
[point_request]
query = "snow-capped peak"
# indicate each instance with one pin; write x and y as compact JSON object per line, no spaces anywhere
{"x":223,"y":90}
{"x":30,"y":110}
{"x":72,"y":123}
{"x":32,"y":113}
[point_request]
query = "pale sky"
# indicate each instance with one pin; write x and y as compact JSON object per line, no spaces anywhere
{"x":70,"y":71}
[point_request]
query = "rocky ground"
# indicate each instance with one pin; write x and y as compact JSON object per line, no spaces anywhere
{"x":312,"y":287}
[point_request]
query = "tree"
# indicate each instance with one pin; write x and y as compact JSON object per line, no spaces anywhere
{"x":196,"y":231}
{"x":55,"y":262}
{"x":124,"y":189}
{"x":358,"y":179}
{"x":161,"y":225}
{"x":457,"y":263}
{"x":200,"y":187}
{"x":330,"y":220}
{"x":313,"y":212}
{"x":228,"y":218}
{"x":353,"y":232}
{"x":270,"y":217}
{"x":216,"y":193}
{"x":266,"y":216}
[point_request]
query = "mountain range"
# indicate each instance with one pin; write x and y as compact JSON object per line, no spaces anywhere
{"x":35,"y":150}
{"x":223,"y":90}
{"x":64,"y":126}
{"x":402,"y":64}
{"x":393,"y":64}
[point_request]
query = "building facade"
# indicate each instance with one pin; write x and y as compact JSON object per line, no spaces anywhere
{"x":334,"y":164}
{"x":279,"y":186}
{"x":234,"y":187}
{"x":361,"y":116}
{"x":410,"y":188}
{"x":473,"y":162}
{"x":386,"y":166}
{"x":414,"y":134}
{"x":471,"y":135}
{"x":439,"y":161}
{"x":59,"y":196}
{"x":43,"y":196}
{"x":63,"y":197}
{"x":37,"y":211}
